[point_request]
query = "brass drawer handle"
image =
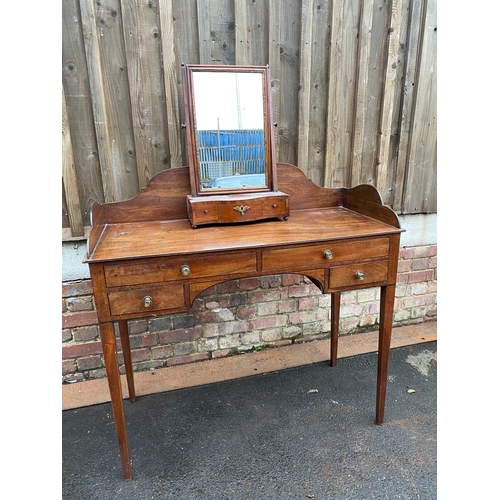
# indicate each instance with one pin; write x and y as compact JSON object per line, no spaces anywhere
{"x":328,"y":254}
{"x":147,"y":301}
{"x":359,"y":275}
{"x":185,"y":270}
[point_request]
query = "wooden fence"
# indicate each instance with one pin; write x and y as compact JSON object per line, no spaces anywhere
{"x":353,"y":90}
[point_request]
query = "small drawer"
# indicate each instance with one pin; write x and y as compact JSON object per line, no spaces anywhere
{"x":156,"y":271}
{"x":204,"y":213}
{"x":239,"y":211}
{"x":328,"y":253}
{"x":358,"y":274}
{"x":146,"y":300}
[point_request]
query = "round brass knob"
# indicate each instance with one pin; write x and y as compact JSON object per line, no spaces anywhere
{"x":147,"y":301}
{"x":185,"y":270}
{"x":328,"y":254}
{"x":359,"y":275}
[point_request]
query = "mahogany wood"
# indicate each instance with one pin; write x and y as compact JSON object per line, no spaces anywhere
{"x":335,"y":317}
{"x":127,"y":358}
{"x":145,"y":260}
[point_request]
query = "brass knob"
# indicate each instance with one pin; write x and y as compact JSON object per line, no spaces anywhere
{"x":328,"y":254}
{"x":359,"y":275}
{"x":147,"y":301}
{"x":185,"y":270}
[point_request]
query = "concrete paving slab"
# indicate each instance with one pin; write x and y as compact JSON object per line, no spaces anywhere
{"x":302,"y":432}
{"x":217,"y":370}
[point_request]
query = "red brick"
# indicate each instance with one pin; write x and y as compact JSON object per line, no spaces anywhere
{"x":291,"y":279}
{"x":89,"y":363}
{"x":249,"y":284}
{"x":264,"y":296}
{"x":308,"y":303}
{"x":404,"y":266}
{"x":419,"y":276}
{"x":77,"y":350}
{"x":162,"y":352}
{"x":68,"y":366}
{"x":180,"y":335}
{"x":77,"y":304}
{"x":270,"y":281}
{"x":79,"y":319}
{"x":141,"y":355}
{"x":246,"y":312}
{"x":75,"y":288}
{"x":260,"y":323}
{"x":66,"y":335}
{"x":85,"y":333}
{"x":227,"y":287}
{"x":420,"y":264}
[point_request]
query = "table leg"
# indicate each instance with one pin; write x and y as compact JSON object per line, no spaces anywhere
{"x":127,"y":358}
{"x":111,"y":361}
{"x":334,"y":341}
{"x":387,"y":294}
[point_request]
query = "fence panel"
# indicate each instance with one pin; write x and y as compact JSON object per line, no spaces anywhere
{"x":353,"y":88}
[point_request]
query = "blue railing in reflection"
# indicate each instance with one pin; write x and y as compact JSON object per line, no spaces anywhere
{"x":230,"y":152}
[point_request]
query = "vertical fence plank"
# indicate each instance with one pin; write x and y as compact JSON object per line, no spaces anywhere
{"x":305,"y":84}
{"x":389,"y":98}
{"x":345,"y":17}
{"x":103,"y":35}
{"x":362,"y":88}
{"x":420,"y":195}
{"x":251,"y":32}
{"x":284,"y":42}
{"x":171,"y":84}
{"x":69,"y":177}
{"x":204,"y":37}
{"x":318,"y":90}
{"x":79,"y":109}
{"x":143,"y":52}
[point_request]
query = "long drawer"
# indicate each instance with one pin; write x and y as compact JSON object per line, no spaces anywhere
{"x":165,"y":269}
{"x":326,"y":254}
{"x":146,"y":300}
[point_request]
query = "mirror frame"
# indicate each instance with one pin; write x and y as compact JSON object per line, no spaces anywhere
{"x":191,"y":134}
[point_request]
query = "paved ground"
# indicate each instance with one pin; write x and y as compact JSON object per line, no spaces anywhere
{"x":299,"y":433}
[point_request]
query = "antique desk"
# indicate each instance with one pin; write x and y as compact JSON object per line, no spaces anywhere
{"x":146,"y":259}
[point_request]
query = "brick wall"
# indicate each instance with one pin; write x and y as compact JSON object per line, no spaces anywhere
{"x":243,"y":315}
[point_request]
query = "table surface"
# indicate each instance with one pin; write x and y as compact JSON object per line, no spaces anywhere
{"x":177,"y":237}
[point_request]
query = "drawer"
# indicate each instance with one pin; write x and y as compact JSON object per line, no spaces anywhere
{"x":146,"y":300}
{"x":155,"y":271}
{"x":317,"y":254}
{"x":358,"y":274}
{"x":240,"y":211}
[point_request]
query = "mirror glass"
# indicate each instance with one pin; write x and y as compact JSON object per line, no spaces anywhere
{"x":229,"y":130}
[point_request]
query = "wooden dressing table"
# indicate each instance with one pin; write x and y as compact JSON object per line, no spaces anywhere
{"x":146,"y":259}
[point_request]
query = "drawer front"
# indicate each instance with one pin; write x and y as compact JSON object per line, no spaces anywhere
{"x":240,"y":211}
{"x":204,"y":213}
{"x":358,"y":274}
{"x":174,"y":269}
{"x":317,"y":255}
{"x":146,"y":300}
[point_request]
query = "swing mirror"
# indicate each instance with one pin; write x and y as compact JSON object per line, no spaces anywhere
{"x":229,"y":129}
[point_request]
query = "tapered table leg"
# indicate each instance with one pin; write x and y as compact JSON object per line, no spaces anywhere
{"x":334,"y":341}
{"x":387,"y":295}
{"x":127,"y":358}
{"x":112,"y":370}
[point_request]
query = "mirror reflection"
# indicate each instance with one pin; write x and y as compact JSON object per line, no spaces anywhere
{"x":229,"y":129}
